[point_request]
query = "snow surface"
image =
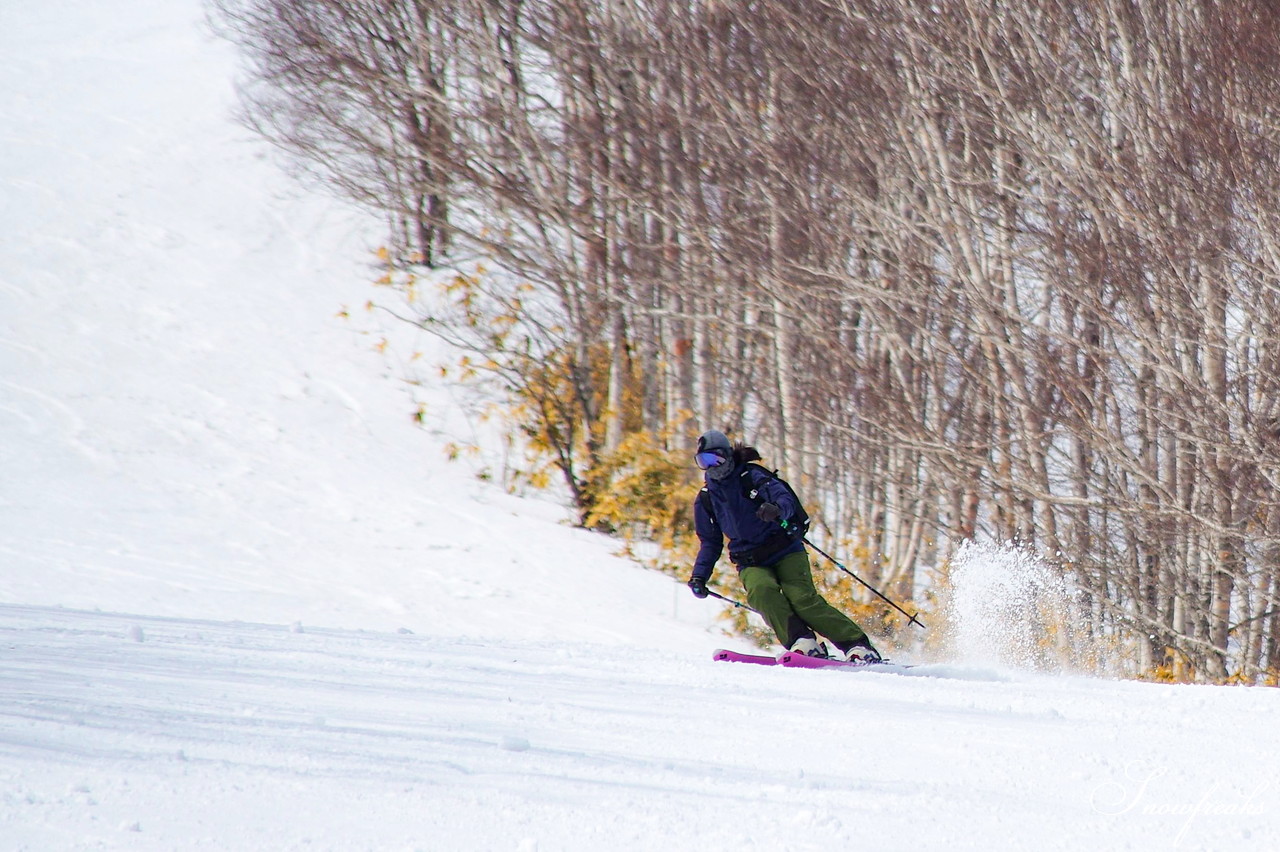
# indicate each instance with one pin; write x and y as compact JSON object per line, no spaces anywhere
{"x":245,"y":604}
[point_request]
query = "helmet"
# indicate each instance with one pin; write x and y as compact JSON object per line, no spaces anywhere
{"x":715,"y":454}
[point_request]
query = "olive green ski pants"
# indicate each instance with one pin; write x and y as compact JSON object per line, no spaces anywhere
{"x":784,"y":594}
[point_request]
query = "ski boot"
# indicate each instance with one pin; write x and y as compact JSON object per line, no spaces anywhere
{"x":863,"y":653}
{"x":810,"y":648}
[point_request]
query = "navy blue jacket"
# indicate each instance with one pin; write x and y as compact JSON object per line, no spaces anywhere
{"x":733,"y":515}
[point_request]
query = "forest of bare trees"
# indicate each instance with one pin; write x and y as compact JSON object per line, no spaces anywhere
{"x":1006,"y":270}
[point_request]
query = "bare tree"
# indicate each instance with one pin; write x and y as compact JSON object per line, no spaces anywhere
{"x":964,"y":270}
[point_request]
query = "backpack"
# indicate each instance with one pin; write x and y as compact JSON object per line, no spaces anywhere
{"x":797,"y":526}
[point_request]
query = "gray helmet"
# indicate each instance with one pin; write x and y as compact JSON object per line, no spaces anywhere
{"x":715,"y":442}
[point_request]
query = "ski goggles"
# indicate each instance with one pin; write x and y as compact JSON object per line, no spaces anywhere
{"x":709,"y":460}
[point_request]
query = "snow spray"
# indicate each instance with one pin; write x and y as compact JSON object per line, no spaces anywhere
{"x":1011,"y":609}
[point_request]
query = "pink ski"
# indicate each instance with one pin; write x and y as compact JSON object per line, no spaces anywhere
{"x":734,"y":657}
{"x":801,"y":661}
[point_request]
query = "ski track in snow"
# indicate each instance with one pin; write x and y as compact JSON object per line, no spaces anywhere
{"x":120,"y":731}
{"x":245,"y":605}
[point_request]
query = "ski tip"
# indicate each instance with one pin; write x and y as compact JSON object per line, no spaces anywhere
{"x":738,"y":657}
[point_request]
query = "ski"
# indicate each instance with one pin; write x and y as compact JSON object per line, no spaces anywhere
{"x":734,"y":657}
{"x":801,"y":661}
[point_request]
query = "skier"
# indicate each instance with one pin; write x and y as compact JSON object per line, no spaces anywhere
{"x":772,"y":563}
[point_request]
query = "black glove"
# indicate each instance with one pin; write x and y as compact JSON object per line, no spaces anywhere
{"x":768,"y":512}
{"x":699,"y":586}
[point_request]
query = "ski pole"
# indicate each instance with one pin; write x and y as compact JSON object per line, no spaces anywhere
{"x":912,"y":618}
{"x":738,"y":604}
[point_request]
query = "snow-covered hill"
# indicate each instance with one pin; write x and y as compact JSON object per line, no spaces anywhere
{"x":245,"y":604}
{"x":188,"y":427}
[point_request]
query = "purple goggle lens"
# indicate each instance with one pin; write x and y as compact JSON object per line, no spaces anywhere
{"x":707,"y":460}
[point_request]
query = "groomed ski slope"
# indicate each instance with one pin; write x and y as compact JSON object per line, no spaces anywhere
{"x":125,"y":732}
{"x":245,"y":604}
